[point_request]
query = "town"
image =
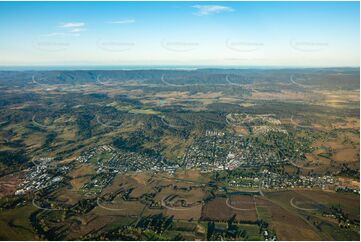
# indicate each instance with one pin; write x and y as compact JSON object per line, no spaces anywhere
{"x":215,"y":151}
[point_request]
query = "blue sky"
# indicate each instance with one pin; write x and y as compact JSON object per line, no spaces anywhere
{"x":180,"y":33}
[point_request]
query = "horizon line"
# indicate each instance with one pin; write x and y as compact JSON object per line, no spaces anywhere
{"x":94,"y":67}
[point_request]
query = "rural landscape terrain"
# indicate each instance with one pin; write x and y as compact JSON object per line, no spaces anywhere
{"x":180,"y":154}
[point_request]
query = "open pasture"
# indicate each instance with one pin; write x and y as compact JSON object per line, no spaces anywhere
{"x":219,"y":209}
{"x":287,"y":224}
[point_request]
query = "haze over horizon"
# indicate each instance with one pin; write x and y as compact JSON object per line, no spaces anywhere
{"x":243,"y":34}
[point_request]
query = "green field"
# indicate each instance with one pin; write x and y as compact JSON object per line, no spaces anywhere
{"x":15,"y":224}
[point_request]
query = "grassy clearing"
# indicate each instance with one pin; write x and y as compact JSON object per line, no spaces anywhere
{"x":144,"y":111}
{"x":264,"y":214}
{"x":252,"y":231}
{"x":15,"y":224}
{"x":337,"y":233}
{"x":184,"y":226}
{"x":122,"y":221}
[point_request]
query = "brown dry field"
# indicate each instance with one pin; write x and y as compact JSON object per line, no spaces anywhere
{"x":283,"y":95}
{"x":179,"y":96}
{"x":120,"y":207}
{"x":191,"y":213}
{"x":195,"y":195}
{"x":34,"y":141}
{"x":193,"y":175}
{"x":287,"y":225}
{"x":174,"y":146}
{"x":240,"y":130}
{"x":90,"y":222}
{"x":67,"y":134}
{"x":313,"y":159}
{"x":290,"y":169}
{"x":9,"y":184}
{"x":339,"y":98}
{"x":80,"y":176}
{"x":120,"y":181}
{"x":82,"y":170}
{"x":347,"y":155}
{"x":354,"y":138}
{"x":192,"y":196}
{"x":153,"y":211}
{"x":140,"y":190}
{"x":141,"y":183}
{"x":242,"y":202}
{"x":218,"y":210}
{"x":68,"y":196}
{"x":342,"y":151}
{"x":340,"y":95}
{"x":349,"y":202}
{"x":79,"y":182}
{"x":283,"y":198}
{"x":349,"y":182}
{"x":183,"y":178}
{"x":348,"y":123}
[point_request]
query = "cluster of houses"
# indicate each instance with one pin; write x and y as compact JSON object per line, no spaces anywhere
{"x":42,"y":175}
{"x":272,"y":180}
{"x":86,"y":157}
{"x":347,"y":189}
{"x":224,"y":151}
{"x":122,"y":161}
{"x":214,"y":151}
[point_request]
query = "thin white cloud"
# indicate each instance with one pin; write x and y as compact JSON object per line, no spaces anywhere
{"x":77,"y":30}
{"x":56,"y":34}
{"x":72,"y":25}
{"x":211,"y":9}
{"x":53,"y":34}
{"x":123,"y":21}
{"x":72,"y":29}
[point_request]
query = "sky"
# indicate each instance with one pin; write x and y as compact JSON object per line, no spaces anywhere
{"x":299,"y":34}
